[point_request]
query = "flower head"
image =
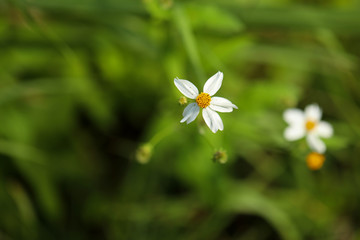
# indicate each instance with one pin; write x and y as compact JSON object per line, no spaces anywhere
{"x":210,"y":105}
{"x":182,"y":100}
{"x":143,"y":153}
{"x":315,"y":160}
{"x":220,"y":156}
{"x":307,"y":123}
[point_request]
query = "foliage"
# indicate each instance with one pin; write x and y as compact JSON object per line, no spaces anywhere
{"x":84,"y":83}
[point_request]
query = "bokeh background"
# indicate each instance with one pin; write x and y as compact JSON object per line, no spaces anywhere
{"x":86,"y":92}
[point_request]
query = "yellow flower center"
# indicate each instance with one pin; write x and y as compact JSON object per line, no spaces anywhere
{"x":203,"y":100}
{"x":315,"y":161}
{"x":309,"y":125}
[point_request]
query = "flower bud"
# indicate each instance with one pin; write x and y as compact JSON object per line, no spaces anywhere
{"x":315,"y":160}
{"x":143,"y":153}
{"x":183,"y":100}
{"x":220,"y":156}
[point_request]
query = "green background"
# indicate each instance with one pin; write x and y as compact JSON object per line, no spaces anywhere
{"x":83,"y":84}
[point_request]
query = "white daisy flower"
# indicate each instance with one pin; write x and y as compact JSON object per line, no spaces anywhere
{"x":307,"y":123}
{"x":205,"y":100}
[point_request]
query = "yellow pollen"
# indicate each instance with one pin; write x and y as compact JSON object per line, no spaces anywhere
{"x":203,"y":100}
{"x":315,"y":161}
{"x":309,"y":125}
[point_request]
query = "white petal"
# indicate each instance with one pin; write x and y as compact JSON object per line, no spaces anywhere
{"x":221,"y":104}
{"x":186,"y":88}
{"x":313,"y":112}
{"x":213,"y":84}
{"x":213,"y":120}
{"x":293,"y":133}
{"x":315,"y":143}
{"x":324,"y":129}
{"x":294,"y":116}
{"x":190,"y":113}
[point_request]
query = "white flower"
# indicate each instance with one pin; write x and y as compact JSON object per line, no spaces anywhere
{"x":205,"y":100}
{"x":307,"y":123}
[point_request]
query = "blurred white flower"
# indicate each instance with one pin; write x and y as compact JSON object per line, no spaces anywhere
{"x":307,"y":123}
{"x":205,"y":100}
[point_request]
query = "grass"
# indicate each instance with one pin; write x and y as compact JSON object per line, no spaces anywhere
{"x":83,"y":85}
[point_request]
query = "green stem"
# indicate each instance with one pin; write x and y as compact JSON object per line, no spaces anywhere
{"x":208,"y":141}
{"x":302,"y":174}
{"x":160,"y":135}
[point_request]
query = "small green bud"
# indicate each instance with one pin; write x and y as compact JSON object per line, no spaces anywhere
{"x":220,"y":156}
{"x":183,"y":100}
{"x":143,"y":153}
